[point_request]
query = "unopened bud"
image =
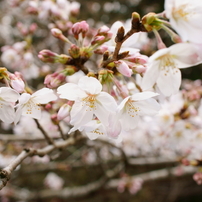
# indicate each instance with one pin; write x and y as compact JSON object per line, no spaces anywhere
{"x":16,"y":82}
{"x":69,"y":70}
{"x":123,"y":55}
{"x":91,"y":74}
{"x":63,"y":59}
{"x":139,"y":69}
{"x":47,"y":56}
{"x":151,"y":22}
{"x":80,"y":27}
{"x":54,"y":80}
{"x":105,"y":55}
{"x":103,"y":30}
{"x":101,"y":50}
{"x":135,"y":20}
{"x":63,"y":112}
{"x":74,"y":51}
{"x":105,"y":76}
{"x":120,"y":34}
{"x":57,"y":33}
{"x":123,"y":68}
{"x":98,"y":40}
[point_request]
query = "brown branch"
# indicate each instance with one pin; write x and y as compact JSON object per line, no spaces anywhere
{"x":48,"y":139}
{"x":84,"y":190}
{"x":155,"y":175}
{"x":22,"y":138}
{"x":5,"y":173}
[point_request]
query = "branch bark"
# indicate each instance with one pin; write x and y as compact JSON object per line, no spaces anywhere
{"x":5,"y":173}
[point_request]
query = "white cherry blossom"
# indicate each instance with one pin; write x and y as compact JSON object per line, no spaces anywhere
{"x":95,"y":129}
{"x":185,"y":17}
{"x":89,"y":101}
{"x":8,"y":97}
{"x":163,"y":67}
{"x":29,"y":105}
{"x":132,"y":107}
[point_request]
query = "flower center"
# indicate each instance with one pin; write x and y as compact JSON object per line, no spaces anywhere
{"x":30,"y":106}
{"x":89,"y":101}
{"x":131,"y":109}
{"x":167,"y":64}
{"x":181,"y":12}
{"x":97,"y":132}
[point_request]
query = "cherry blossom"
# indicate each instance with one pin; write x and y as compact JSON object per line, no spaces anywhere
{"x":8,"y":97}
{"x":132,"y":107}
{"x":29,"y":105}
{"x":89,"y":101}
{"x":185,"y":18}
{"x":163,"y":67}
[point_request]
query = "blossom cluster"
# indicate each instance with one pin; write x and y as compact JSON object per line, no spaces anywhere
{"x":106,"y":82}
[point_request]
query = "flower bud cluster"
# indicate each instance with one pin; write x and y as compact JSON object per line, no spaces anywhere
{"x":51,"y":57}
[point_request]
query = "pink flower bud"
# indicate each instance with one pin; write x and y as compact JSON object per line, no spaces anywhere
{"x":140,"y":69}
{"x":54,"y":80}
{"x":101,"y":49}
{"x":63,"y":112}
{"x":123,"y":68}
{"x":47,"y":56}
{"x":98,"y":40}
{"x":137,"y":58}
{"x":16,"y":82}
{"x":56,"y":32}
{"x":80,"y":27}
{"x":103,"y":30}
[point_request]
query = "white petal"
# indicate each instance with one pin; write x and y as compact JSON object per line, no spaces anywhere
{"x":150,"y":76}
{"x":184,"y":17}
{"x":123,"y":103}
{"x":80,"y":114}
{"x":102,"y":114}
{"x":90,"y":85}
{"x":44,"y":96}
{"x":70,"y":91}
{"x":31,"y":109}
{"x":128,"y":122}
{"x":169,"y":83}
{"x":107,"y":101}
{"x":93,"y":129}
{"x":148,"y":107}
{"x":24,"y":98}
{"x":143,"y":95}
{"x":114,"y":128}
{"x":185,"y":55}
{"x":6,"y":112}
{"x":9,"y":94}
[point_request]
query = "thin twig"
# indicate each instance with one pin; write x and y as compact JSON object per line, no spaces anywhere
{"x":48,"y":139}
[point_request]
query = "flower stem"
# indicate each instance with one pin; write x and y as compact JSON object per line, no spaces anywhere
{"x":48,"y":139}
